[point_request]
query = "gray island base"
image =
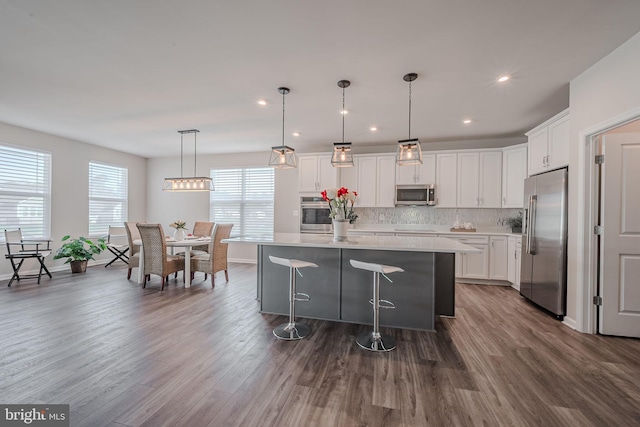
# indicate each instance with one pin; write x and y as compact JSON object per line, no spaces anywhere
{"x":341,"y":293}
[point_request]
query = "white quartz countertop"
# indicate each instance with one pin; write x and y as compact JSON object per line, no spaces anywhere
{"x":387,"y":243}
{"x":428,"y":230}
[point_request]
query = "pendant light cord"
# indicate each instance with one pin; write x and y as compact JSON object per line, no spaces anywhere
{"x":195,"y":153}
{"x":283,"y":94}
{"x":343,"y":114}
{"x":409,"y":110}
{"x":181,"y":153}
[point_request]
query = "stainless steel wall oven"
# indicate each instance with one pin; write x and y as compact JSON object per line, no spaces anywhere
{"x":314,"y":215}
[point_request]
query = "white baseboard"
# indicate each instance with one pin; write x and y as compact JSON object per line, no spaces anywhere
{"x":569,"y":322}
{"x":243,"y":260}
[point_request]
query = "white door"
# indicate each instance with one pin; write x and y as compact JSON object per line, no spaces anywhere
{"x":490,"y":185}
{"x":498,"y":258}
{"x":538,"y":151}
{"x":446,"y":167}
{"x":308,"y":173}
{"x":367,"y":166}
{"x":406,"y":175}
{"x":468,"y":172}
{"x":386,"y":181}
{"x":620,"y":248}
{"x":514,"y":171}
{"x":426,"y":172}
{"x":327,"y":174}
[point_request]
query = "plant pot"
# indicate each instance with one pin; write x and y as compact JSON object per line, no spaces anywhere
{"x":78,"y":266}
{"x":516,"y":230}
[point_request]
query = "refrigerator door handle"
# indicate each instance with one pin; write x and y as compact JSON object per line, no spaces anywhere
{"x":531,"y":248}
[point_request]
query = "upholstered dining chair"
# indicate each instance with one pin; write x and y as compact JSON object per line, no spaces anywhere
{"x":154,"y":250}
{"x":216,"y":258}
{"x":134,"y":250}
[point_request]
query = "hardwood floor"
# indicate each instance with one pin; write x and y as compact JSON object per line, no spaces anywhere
{"x":123,"y":355}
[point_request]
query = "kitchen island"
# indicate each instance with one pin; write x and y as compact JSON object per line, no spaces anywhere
{"x":340,"y":292}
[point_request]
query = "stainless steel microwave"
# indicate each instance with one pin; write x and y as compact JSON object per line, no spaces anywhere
{"x":415,"y":195}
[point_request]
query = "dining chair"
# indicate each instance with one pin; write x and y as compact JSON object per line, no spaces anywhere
{"x":201,"y":229}
{"x":215,"y":259}
{"x":115,"y":246}
{"x":156,"y":259}
{"x":134,"y":254}
{"x":19,"y":250}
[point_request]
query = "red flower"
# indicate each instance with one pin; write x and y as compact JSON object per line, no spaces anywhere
{"x":324,"y":196}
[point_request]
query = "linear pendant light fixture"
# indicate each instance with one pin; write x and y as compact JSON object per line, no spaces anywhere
{"x":194,"y":183}
{"x":342,"y":157}
{"x":409,"y":151}
{"x":283,"y":157}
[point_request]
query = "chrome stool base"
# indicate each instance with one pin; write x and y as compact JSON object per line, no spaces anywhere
{"x":291,"y":331}
{"x":382,"y":342}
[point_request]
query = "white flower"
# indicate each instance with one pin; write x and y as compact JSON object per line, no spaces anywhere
{"x":332,"y":193}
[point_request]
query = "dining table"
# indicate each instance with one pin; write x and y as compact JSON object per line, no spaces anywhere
{"x":187,"y":244}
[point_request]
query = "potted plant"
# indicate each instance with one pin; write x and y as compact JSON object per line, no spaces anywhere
{"x":79,"y":251}
{"x":516,"y":223}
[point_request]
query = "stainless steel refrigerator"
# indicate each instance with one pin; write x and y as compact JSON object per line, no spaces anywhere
{"x":544,"y":241}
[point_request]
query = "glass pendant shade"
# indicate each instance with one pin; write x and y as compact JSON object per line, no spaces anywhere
{"x":409,"y":152}
{"x":342,"y":157}
{"x":283,"y":157}
{"x":188,"y":183}
{"x":196,"y":183}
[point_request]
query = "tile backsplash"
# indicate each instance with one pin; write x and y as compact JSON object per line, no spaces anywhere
{"x":422,"y":215}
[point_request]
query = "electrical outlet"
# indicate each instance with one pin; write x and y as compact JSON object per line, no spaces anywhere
{"x":381,"y":217}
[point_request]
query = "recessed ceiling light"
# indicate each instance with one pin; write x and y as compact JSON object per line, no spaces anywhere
{"x":343,"y":112}
{"x":296,"y":134}
{"x":373,"y":128}
{"x":262,"y":102}
{"x":466,"y":121}
{"x":503,"y":79}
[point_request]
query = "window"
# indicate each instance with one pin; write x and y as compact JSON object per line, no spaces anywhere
{"x":25,"y":191}
{"x":243,"y":197}
{"x":108,"y":193}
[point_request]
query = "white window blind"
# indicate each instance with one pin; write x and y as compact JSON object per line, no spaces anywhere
{"x":25,"y":191}
{"x":243,"y":197}
{"x":108,"y":194}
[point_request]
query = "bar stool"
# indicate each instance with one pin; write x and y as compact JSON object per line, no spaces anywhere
{"x":292,"y":330}
{"x":375,"y":341}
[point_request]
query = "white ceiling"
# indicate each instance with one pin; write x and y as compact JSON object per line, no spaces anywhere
{"x":129,"y":74}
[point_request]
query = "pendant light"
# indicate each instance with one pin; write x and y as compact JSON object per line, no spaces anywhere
{"x":194,"y":183}
{"x":282,"y":157}
{"x":409,"y":151}
{"x":342,"y":157}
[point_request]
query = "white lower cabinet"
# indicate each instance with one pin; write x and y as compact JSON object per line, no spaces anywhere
{"x":476,"y":266}
{"x":498,"y":254}
{"x":514,"y":258}
{"x":472,"y":265}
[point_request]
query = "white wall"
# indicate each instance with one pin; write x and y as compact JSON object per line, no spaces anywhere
{"x":69,"y":183}
{"x":607,"y":90}
{"x":165,"y":207}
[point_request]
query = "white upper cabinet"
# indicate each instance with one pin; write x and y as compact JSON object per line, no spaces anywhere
{"x":375,"y":182}
{"x":446,"y":178}
{"x":315,"y":173}
{"x":549,"y":144}
{"x":514,"y":172}
{"x":479,"y":179}
{"x":423,"y":174}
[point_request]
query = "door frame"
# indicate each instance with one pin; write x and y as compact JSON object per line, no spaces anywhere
{"x":586,"y":311}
